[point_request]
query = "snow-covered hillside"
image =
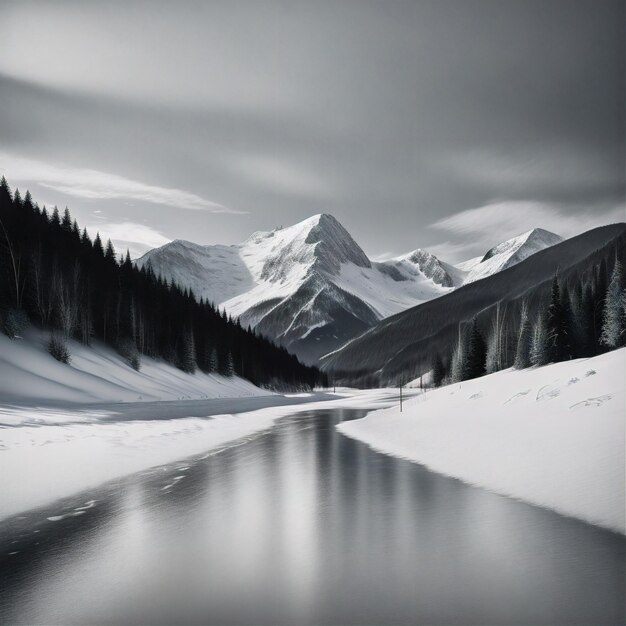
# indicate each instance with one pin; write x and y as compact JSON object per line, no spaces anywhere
{"x":28,"y":374}
{"x":310,"y":286}
{"x":507,"y":254}
{"x":552,"y":436}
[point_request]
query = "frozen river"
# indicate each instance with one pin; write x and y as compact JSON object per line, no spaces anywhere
{"x":301,"y":525}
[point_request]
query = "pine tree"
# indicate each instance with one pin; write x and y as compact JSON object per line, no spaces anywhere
{"x":568,"y":324}
{"x":599,"y":297}
{"x":457,"y":362}
{"x":229,"y":368}
{"x":496,"y":348}
{"x":186,"y":360}
{"x":493,"y":361}
{"x":109,"y":254}
{"x":475,"y":360}
{"x":524,"y":341}
{"x":539,"y":352}
{"x":613,"y":320}
{"x":66,"y":222}
{"x":438,"y":369}
{"x":585,"y":327}
{"x":28,"y":201}
{"x":5,"y":191}
{"x":213,"y":362}
{"x":577,"y":321}
{"x":557,"y":333}
{"x":55,"y":219}
{"x":97,"y":246}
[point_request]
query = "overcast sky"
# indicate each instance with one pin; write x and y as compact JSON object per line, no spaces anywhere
{"x":447,"y":124}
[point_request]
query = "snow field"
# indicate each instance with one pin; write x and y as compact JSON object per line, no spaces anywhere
{"x":552,"y":436}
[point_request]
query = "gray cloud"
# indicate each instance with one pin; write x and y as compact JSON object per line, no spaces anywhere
{"x":475,"y":228}
{"x":93,"y":184}
{"x":393,"y":116}
{"x":136,"y":238}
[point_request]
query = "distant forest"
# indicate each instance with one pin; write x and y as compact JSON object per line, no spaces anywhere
{"x":582,"y":317}
{"x":54,"y":275}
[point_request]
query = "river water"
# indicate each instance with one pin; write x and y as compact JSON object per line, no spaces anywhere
{"x":301,"y":525}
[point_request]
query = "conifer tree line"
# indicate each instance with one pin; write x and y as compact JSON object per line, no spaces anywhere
{"x":582,"y":316}
{"x":54,"y":275}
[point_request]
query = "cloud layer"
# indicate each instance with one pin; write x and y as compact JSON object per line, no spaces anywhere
{"x":390,"y":115}
{"x":92,"y":184}
{"x":476,"y":230}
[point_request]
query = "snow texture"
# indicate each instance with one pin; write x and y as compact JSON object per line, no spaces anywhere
{"x":98,"y":374}
{"x":552,"y":436}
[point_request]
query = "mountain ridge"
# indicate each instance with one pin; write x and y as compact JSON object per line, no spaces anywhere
{"x":407,"y":340}
{"x":508,"y":253}
{"x":309,"y":286}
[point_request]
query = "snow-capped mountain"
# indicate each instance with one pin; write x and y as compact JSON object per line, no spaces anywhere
{"x":420,"y":261}
{"x":309,"y":286}
{"x":507,"y":254}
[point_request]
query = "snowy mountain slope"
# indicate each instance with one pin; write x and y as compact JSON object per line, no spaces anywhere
{"x":97,"y":373}
{"x":508,"y":253}
{"x":467,"y":266}
{"x":309,"y":286}
{"x":214,"y":272}
{"x":421,"y":262}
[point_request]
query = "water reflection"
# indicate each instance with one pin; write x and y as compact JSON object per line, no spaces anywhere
{"x":300,"y":526}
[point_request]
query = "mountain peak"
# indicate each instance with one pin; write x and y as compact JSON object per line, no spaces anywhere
{"x":323,"y":221}
{"x":334,"y":244}
{"x":429,"y":265}
{"x":320,"y":217}
{"x":181,"y":243}
{"x":509,"y":253}
{"x":534,"y":240}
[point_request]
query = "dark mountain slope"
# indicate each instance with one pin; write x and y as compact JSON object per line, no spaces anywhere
{"x":403,"y":344}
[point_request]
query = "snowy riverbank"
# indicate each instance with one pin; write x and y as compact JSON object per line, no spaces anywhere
{"x":552,"y":436}
{"x":47,"y":454}
{"x":65,"y":428}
